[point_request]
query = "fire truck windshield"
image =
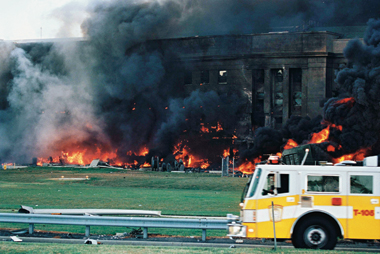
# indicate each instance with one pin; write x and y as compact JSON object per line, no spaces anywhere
{"x":256,"y":177}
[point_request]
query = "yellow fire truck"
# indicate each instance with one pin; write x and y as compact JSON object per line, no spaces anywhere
{"x":313,"y":205}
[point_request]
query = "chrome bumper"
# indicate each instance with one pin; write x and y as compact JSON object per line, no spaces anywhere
{"x":237,"y":230}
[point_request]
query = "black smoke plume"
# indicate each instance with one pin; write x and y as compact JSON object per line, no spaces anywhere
{"x":361,"y":80}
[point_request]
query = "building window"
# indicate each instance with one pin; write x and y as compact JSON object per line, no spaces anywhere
{"x":188,"y":78}
{"x":222,"y":77}
{"x":361,"y":184}
{"x":205,"y":77}
{"x":279,"y":75}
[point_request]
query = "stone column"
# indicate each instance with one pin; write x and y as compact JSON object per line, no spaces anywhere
{"x":285,"y":92}
{"x":316,"y":88}
{"x":267,"y":98}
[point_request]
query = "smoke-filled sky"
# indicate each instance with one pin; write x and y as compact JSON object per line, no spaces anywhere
{"x":101,"y":94}
{"x":23,"y":19}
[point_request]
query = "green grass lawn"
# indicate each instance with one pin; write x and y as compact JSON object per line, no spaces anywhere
{"x":171,"y":193}
{"x":11,"y":247}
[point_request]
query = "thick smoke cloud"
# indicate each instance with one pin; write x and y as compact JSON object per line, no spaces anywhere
{"x":361,"y":80}
{"x":267,"y":141}
{"x":109,"y":92}
{"x":357,"y":109}
{"x":299,"y":128}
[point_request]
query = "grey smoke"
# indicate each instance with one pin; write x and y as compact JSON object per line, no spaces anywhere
{"x":44,"y":109}
{"x":70,"y":16}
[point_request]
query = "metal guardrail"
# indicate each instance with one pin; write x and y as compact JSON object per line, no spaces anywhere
{"x":87,"y":221}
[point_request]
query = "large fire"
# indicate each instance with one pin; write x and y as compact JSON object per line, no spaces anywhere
{"x":83,"y":157}
{"x":184,"y":154}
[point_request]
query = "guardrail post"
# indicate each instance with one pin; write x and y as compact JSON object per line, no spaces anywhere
{"x":204,"y":235}
{"x":31,"y":228}
{"x":87,"y":231}
{"x":145,"y":233}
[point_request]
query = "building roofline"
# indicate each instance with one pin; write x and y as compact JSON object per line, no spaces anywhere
{"x":49,"y":40}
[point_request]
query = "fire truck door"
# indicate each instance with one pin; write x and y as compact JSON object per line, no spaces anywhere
{"x":363,"y":204}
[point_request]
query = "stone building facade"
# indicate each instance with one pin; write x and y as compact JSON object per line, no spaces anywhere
{"x":281,"y":74}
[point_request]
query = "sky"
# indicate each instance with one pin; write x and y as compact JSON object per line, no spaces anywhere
{"x":41,"y":19}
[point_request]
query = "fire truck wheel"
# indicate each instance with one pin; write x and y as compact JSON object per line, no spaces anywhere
{"x":315,"y":233}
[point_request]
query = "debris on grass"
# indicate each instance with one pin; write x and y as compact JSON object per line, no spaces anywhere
{"x":20,"y":231}
{"x":92,"y":241}
{"x":16,"y":239}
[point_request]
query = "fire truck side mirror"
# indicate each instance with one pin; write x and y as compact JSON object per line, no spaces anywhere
{"x":277,"y":180}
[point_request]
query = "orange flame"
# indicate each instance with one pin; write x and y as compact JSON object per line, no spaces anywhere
{"x":182,"y":152}
{"x":219,"y":127}
{"x":82,"y":157}
{"x":146,"y":165}
{"x":204,"y":129}
{"x":205,"y":164}
{"x":290,"y":144}
{"x":320,"y":136}
{"x":330,"y":148}
{"x":248,"y":167}
{"x":143,"y":151}
{"x":357,"y":156}
{"x":350,"y":100}
{"x":323,"y":135}
{"x":339,"y":127}
{"x":76,"y":157}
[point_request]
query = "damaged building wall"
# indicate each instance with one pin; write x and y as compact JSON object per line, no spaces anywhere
{"x":280,"y":74}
